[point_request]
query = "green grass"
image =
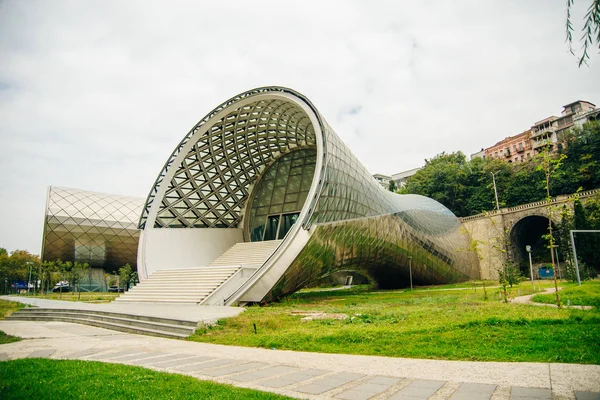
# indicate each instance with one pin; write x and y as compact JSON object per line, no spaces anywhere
{"x":441,"y":324}
{"x":4,"y":338}
{"x":7,"y":308}
{"x":70,"y":379}
{"x":588,"y":294}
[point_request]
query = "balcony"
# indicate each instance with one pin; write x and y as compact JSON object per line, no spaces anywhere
{"x":542,"y":143}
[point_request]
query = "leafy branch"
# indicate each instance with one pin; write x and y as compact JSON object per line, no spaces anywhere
{"x":591,"y":30}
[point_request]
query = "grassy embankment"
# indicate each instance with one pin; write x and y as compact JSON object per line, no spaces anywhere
{"x":7,"y":308}
{"x":588,"y":294}
{"x":434,"y":322}
{"x":71,"y":379}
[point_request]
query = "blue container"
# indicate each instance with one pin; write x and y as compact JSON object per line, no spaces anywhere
{"x":546,"y":272}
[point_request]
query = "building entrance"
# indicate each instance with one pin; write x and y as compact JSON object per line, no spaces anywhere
{"x":279,"y":225}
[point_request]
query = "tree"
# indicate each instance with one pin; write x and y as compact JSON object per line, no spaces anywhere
{"x":126,"y":275}
{"x":590,"y":30}
{"x":79,"y":271}
{"x":549,"y":166}
{"x":65,"y":272}
{"x":16,"y":266}
{"x":392,"y":186}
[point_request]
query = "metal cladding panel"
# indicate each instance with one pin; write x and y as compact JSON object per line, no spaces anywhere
{"x":207,"y":180}
{"x":96,"y":228}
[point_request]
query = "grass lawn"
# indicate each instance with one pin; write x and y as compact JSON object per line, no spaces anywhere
{"x":588,"y":294}
{"x":94,"y":297}
{"x":70,"y":379}
{"x":7,"y":308}
{"x":437,"y":324}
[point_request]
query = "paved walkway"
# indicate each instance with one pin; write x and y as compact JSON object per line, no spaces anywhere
{"x":180,"y":311}
{"x":527,"y":300}
{"x":307,"y":375}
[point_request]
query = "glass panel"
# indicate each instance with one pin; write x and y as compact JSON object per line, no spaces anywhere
{"x":257,"y":233}
{"x":288,"y":220}
{"x":272,"y":224}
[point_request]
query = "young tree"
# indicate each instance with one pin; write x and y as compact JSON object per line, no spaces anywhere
{"x":80,"y":270}
{"x":549,"y":165}
{"x":126,"y":275}
{"x":65,"y":271}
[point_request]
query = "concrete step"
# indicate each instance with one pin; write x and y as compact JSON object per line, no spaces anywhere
{"x":159,"y":298}
{"x":122,"y":322}
{"x":106,"y":319}
{"x":174,"y":289}
{"x":181,"y":296}
{"x":179,"y":286}
{"x":193,"y":271}
{"x":146,"y":318}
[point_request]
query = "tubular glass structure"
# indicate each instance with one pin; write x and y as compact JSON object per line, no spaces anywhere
{"x":267,"y":162}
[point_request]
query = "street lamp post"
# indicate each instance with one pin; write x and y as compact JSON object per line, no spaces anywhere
{"x":29,"y":281}
{"x":528,"y":248}
{"x":495,"y":190}
{"x":410,"y":271}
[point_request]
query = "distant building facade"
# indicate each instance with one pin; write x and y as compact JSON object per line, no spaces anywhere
{"x":545,"y":133}
{"x":383,"y":180}
{"x":402,"y":177}
{"x":512,"y":149}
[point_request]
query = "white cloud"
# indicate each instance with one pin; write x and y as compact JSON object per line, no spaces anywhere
{"x":95,"y":95}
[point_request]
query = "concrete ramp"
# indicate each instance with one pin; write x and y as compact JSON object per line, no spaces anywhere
{"x":247,"y":254}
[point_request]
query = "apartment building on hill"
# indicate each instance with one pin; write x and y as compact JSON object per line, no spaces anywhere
{"x":547,"y":132}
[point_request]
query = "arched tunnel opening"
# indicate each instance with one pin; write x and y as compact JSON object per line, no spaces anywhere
{"x":530,"y":231}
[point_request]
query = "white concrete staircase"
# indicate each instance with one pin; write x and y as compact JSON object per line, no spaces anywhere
{"x":247,"y":254}
{"x":195,"y":285}
{"x":190,"y":285}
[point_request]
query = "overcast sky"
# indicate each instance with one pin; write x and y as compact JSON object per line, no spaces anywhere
{"x":95,"y":95}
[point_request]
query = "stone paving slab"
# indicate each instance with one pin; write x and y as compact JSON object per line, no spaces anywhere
{"x":181,"y":362}
{"x":474,"y":391}
{"x":330,"y":382}
{"x":163,"y":358}
{"x":204,"y":365}
{"x":370,"y":388}
{"x":140,"y":356}
{"x":263,"y":373}
{"x":113,"y":355}
{"x":587,"y":396}
{"x":293,"y":378}
{"x":82,"y":353}
{"x":519,"y":393}
{"x":418,"y":389}
{"x":41,"y":353}
{"x":228,"y":370}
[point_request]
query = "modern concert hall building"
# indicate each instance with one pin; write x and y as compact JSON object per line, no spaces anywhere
{"x":262,"y":197}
